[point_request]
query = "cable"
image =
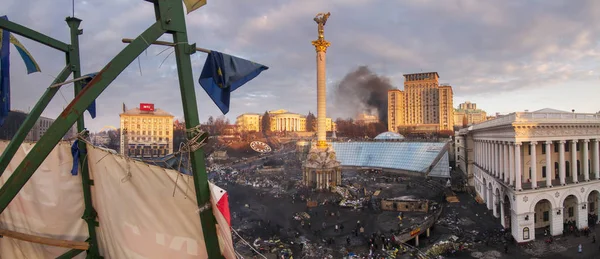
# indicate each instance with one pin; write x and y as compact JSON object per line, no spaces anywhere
{"x":248,"y":244}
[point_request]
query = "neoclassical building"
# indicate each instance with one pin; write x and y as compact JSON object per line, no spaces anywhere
{"x":281,"y":120}
{"x":535,"y":170}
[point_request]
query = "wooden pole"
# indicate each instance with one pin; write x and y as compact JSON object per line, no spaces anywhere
{"x":165,"y":43}
{"x":79,"y":245}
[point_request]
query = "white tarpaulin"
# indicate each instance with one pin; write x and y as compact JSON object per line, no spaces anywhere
{"x":144,"y":211}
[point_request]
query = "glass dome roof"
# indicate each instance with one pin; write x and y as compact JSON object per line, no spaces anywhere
{"x":389,"y":136}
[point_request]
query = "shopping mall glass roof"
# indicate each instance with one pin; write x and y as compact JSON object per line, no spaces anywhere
{"x":424,"y":157}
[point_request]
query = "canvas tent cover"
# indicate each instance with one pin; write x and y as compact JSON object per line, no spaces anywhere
{"x":144,"y":211}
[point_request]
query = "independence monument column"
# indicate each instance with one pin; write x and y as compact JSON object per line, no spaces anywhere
{"x":321,"y":170}
{"x":321,"y":46}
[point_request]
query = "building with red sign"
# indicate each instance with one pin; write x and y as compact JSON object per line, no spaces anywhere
{"x":146,"y":132}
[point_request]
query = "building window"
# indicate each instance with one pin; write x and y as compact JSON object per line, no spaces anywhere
{"x":543,"y":149}
{"x":568,"y":168}
{"x":543,"y":172}
{"x":546,"y":216}
{"x":555,"y":148}
{"x":567,"y":147}
{"x":529,"y":172}
{"x":571,"y":212}
{"x":577,"y":146}
{"x":578,"y":168}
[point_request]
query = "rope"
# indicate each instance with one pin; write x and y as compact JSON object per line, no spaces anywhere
{"x":248,"y":244}
{"x":196,"y":142}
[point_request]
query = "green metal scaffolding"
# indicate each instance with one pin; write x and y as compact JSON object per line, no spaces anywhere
{"x":169,"y":19}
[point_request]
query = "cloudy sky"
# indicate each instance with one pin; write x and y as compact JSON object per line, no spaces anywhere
{"x":505,"y":55}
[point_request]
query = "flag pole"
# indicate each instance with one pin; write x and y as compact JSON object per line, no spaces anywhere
{"x":166,"y":43}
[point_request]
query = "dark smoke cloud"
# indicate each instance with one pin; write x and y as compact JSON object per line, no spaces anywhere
{"x":361,"y":91}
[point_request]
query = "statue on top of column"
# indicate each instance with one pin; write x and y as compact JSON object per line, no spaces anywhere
{"x":321,"y":19}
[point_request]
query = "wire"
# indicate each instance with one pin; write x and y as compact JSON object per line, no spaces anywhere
{"x":248,"y":244}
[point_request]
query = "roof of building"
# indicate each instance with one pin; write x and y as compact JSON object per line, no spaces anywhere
{"x":156,"y":112}
{"x":423,"y":157}
{"x":549,"y":110}
{"x":388,"y":135}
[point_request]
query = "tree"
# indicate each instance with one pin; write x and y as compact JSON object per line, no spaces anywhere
{"x":266,"y":122}
{"x":220,"y":124}
{"x":311,"y":122}
{"x":114,"y":137}
{"x":178,"y":134}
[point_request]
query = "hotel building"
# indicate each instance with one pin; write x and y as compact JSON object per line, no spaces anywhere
{"x":146,"y":132}
{"x":424,"y":105}
{"x":281,"y":120}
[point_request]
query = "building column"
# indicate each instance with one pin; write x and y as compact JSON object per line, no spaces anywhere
{"x":502,"y":213}
{"x":506,"y":166}
{"x":586,"y":158}
{"x":574,"y":161}
{"x":511,"y":164}
{"x":495,"y":157}
{"x":549,"y":167}
{"x":518,"y":166}
{"x":596,"y":159}
{"x":561,"y":161}
{"x":492,"y":159}
{"x":501,"y":161}
{"x":488,"y":157}
{"x":485,"y":155}
{"x":533,"y":165}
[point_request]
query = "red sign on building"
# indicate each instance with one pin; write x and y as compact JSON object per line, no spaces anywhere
{"x":147,"y":107}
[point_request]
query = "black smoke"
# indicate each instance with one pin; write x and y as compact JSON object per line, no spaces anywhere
{"x":361,"y":91}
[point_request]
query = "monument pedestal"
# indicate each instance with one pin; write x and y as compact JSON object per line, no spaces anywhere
{"x":321,"y":170}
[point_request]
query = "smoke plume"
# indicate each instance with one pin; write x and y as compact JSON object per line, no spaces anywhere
{"x":361,"y":91}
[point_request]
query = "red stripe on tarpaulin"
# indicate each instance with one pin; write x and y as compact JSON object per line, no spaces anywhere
{"x":223,"y":206}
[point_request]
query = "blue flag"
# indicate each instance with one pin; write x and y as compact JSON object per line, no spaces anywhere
{"x":4,"y":73}
{"x":223,"y":74}
{"x":92,"y":108}
{"x":6,"y":38}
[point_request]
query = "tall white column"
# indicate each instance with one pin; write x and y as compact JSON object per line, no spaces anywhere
{"x":574,"y":160}
{"x":518,"y":166}
{"x":586,"y":158}
{"x":506,"y":165}
{"x":489,"y":157}
{"x":485,"y":155}
{"x":501,"y":160}
{"x":498,"y":160}
{"x":496,"y":171}
{"x":549,"y":167}
{"x":493,"y":156}
{"x":561,"y":161}
{"x":533,"y":165}
{"x":596,"y":158}
{"x":511,"y":163}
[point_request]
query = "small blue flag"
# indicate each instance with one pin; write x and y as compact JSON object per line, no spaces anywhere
{"x":4,"y":73}
{"x":223,"y":74}
{"x":92,"y":108}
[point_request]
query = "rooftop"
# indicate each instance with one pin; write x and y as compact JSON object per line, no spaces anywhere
{"x":137,"y":111}
{"x":546,"y":115}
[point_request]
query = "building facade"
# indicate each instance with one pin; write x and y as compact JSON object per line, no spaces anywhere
{"x":364,"y":118}
{"x":536,"y":170}
{"x":424,"y":103}
{"x":15,"y":119}
{"x":249,"y":122}
{"x":146,"y":132}
{"x":281,"y":121}
{"x":468,"y":114}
